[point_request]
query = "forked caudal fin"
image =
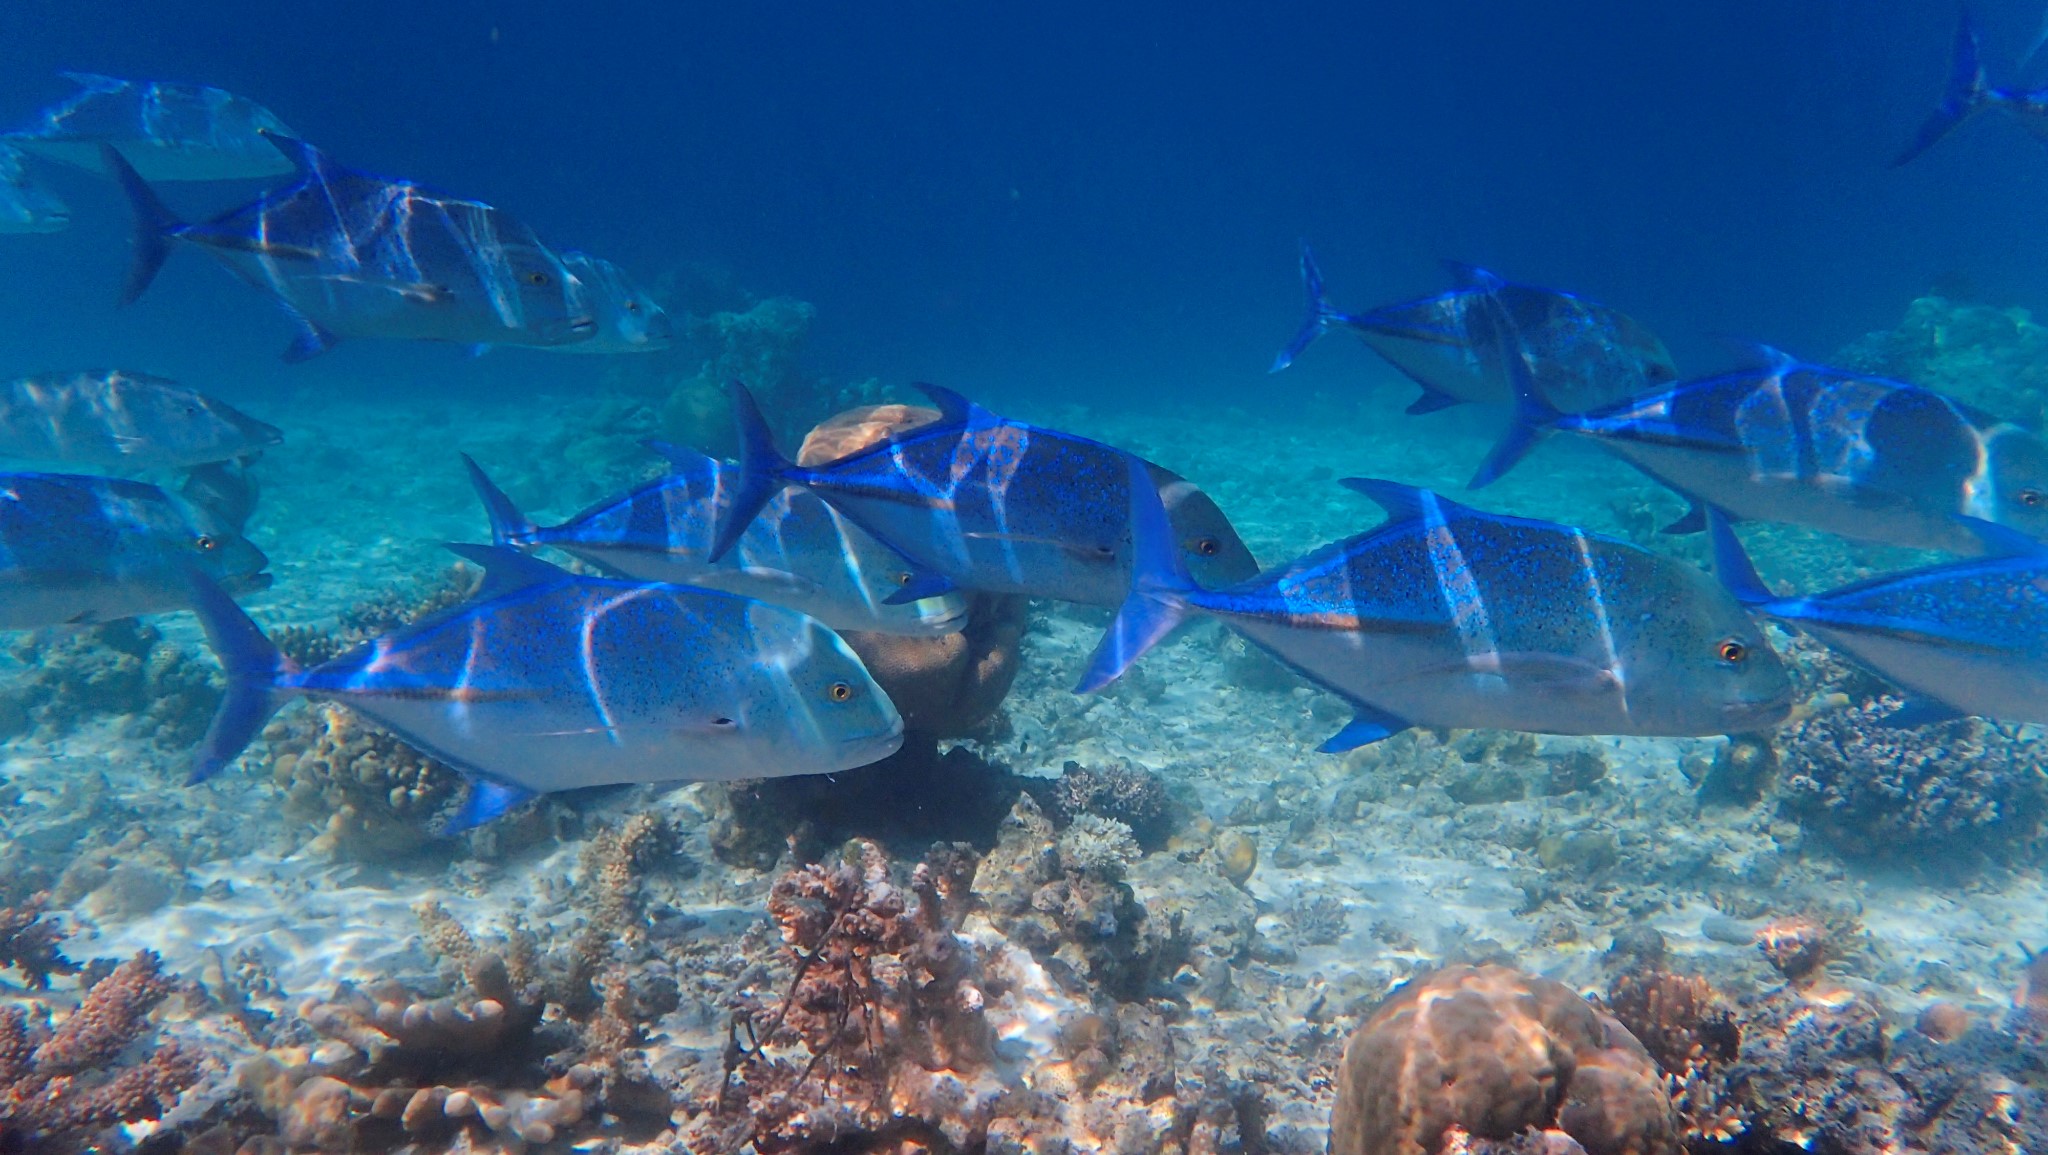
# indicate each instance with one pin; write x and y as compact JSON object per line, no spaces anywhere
{"x":1534,"y":418}
{"x":1968,"y":91}
{"x":508,"y":526}
{"x":1160,"y":586}
{"x":763,"y":470}
{"x":1732,"y":564}
{"x":153,"y":224}
{"x":1320,"y":315}
{"x":256,"y":674}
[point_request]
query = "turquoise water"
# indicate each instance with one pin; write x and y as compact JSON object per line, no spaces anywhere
{"x":1150,"y":918}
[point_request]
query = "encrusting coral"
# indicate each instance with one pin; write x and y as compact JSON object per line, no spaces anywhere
{"x":119,"y":669}
{"x":61,"y":1086}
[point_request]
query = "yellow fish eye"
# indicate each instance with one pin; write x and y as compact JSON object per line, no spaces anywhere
{"x":205,"y":543}
{"x":1732,"y":651}
{"x":840,"y":692}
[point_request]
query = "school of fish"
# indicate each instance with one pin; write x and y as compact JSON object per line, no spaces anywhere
{"x":709,"y":647}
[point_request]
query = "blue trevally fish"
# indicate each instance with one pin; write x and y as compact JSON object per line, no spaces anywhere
{"x":547,"y":681}
{"x":1970,"y":92}
{"x":1449,"y":617}
{"x":798,"y":552}
{"x":354,"y":255}
{"x":117,"y":420}
{"x":628,"y":319}
{"x":1581,"y":353}
{"x":1863,"y":457}
{"x":25,"y":205}
{"x":980,"y":502}
{"x":78,"y":550}
{"x":169,"y":132}
{"x":1965,"y":637}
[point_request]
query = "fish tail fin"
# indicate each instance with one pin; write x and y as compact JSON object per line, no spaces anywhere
{"x":509,"y":527}
{"x":763,"y":470}
{"x":1320,"y":314}
{"x":256,"y":674}
{"x":1732,"y":564}
{"x":153,"y":225}
{"x":1968,"y":92}
{"x":1535,"y":418}
{"x":1160,"y":588}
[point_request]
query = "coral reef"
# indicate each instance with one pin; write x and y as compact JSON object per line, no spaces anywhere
{"x":760,"y":345}
{"x":1495,"y":1053}
{"x":61,"y":1086}
{"x":906,"y":801}
{"x":29,"y":942}
{"x":1996,"y":359}
{"x":371,"y":796}
{"x":119,"y":669}
{"x":1940,"y":797}
{"x":1128,"y":794}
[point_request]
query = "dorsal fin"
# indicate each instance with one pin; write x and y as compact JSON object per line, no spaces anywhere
{"x":505,"y":569}
{"x":1465,"y":276}
{"x":1756,"y":355}
{"x":954,"y":409}
{"x":680,"y":458}
{"x":94,"y":81}
{"x":304,"y":156}
{"x":1402,"y":502}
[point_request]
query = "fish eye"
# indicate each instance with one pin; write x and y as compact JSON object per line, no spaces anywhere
{"x":2031,"y":498}
{"x":840,"y":692}
{"x":903,"y":579}
{"x":1208,"y":546}
{"x":632,"y":306}
{"x":1732,"y":651}
{"x":537,"y":279}
{"x":205,"y":542}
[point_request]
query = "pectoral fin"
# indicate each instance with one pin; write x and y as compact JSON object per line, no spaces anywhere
{"x":1371,"y":724}
{"x":1918,"y":712}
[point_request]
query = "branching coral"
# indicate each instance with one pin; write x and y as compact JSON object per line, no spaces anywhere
{"x":122,"y":668}
{"x":28,"y":942}
{"x":372,"y":796}
{"x":1129,"y":794}
{"x":58,"y":1087}
{"x":1949,"y":794}
{"x":884,"y":995}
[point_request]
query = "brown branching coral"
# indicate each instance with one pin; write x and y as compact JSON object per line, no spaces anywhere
{"x":28,"y":942}
{"x":1798,"y":945}
{"x":884,"y":995}
{"x":373,"y":796}
{"x":59,"y":1087}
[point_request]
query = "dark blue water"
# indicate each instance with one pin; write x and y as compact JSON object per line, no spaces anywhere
{"x":1063,"y":200}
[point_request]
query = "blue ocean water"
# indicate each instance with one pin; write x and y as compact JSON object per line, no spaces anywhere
{"x":1176,"y":915}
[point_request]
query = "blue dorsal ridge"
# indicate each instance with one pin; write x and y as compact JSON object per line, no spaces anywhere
{"x":1470,"y":276}
{"x":1402,"y":502}
{"x":305,"y":156}
{"x":680,"y":458}
{"x":505,"y":569}
{"x":954,"y":409}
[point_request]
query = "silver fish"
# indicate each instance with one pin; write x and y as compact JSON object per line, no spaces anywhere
{"x":628,"y":320}
{"x":76,"y":550}
{"x":981,"y":502}
{"x":1863,"y":457}
{"x":1581,"y":353}
{"x":109,"y":419}
{"x":547,"y":681}
{"x":354,"y":255}
{"x":1966,"y":637}
{"x":25,"y":206}
{"x":169,"y":132}
{"x":799,"y":552}
{"x":1449,"y":617}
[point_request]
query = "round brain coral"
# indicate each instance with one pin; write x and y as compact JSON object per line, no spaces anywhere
{"x":1493,"y":1053}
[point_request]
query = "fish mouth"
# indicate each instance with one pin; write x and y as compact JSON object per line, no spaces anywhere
{"x":1757,"y":714}
{"x":887,"y":740}
{"x":583,"y":326}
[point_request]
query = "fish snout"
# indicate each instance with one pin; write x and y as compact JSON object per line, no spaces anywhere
{"x":1747,"y":715}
